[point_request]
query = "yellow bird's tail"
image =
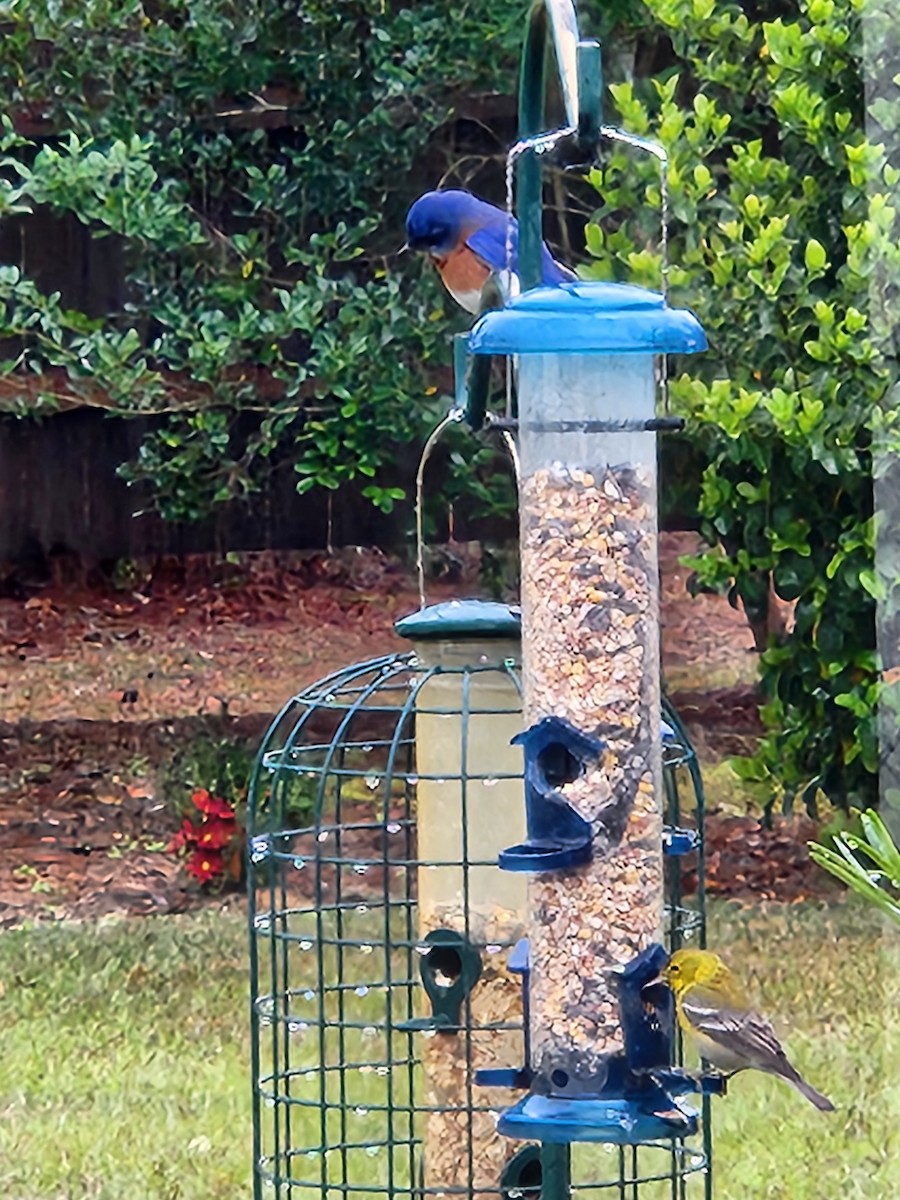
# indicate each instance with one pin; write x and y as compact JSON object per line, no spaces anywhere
{"x":792,"y":1075}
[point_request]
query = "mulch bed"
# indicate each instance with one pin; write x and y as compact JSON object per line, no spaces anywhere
{"x":748,"y":862}
{"x":83,"y":854}
{"x":91,"y":678}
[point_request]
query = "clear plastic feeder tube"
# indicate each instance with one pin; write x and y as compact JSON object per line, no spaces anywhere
{"x":469,"y":808}
{"x":469,"y":790}
{"x":590,"y":618}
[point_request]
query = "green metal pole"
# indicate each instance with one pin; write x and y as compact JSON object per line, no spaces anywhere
{"x":532,"y":86}
{"x":551,"y":23}
{"x":556,"y":1172}
{"x":590,"y":93}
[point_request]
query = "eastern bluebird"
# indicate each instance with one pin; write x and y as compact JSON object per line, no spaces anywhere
{"x":466,"y":240}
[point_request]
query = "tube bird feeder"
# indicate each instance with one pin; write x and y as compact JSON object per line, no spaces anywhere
{"x":590,"y":632}
{"x":586,"y":355}
{"x":468,"y":806}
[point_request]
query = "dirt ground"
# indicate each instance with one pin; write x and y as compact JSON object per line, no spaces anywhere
{"x":98,"y":684}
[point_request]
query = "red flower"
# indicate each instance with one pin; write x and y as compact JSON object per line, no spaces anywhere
{"x":205,"y":865}
{"x":211,"y":806}
{"x":201,"y":800}
{"x":211,"y":843}
{"x":185,"y":836}
{"x":216,"y":834}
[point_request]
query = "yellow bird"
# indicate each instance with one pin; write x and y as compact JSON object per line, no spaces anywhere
{"x":713,"y":1011}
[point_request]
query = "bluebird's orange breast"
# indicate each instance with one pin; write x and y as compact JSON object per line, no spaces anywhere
{"x":464,"y":274}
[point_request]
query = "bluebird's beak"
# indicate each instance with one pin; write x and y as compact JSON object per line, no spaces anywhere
{"x":660,"y":979}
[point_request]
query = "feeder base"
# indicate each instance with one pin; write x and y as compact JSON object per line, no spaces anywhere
{"x":615,"y":1120}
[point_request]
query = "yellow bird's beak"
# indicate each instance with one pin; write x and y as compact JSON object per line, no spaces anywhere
{"x":660,"y":979}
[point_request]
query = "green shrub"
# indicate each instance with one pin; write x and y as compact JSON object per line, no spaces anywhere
{"x":256,"y":163}
{"x":775,"y":235}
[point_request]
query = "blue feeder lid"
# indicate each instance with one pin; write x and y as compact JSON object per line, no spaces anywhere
{"x":587,"y":318}
{"x":461,"y":619}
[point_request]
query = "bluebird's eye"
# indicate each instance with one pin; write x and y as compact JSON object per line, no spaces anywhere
{"x":429,"y":235}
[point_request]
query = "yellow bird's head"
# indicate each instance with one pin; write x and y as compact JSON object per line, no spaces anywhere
{"x":689,"y":967}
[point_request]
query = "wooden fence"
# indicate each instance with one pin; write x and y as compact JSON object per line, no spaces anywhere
{"x":60,"y":495}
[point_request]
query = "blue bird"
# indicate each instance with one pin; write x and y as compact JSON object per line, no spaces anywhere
{"x":466,"y":240}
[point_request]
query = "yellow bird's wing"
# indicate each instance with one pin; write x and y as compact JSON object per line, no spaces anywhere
{"x":728,"y":1035}
{"x":733,"y":1038}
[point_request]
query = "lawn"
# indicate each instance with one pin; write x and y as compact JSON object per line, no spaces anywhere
{"x":124,"y":1059}
{"x":829,"y":979}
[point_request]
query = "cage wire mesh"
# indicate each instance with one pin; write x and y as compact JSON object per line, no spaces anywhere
{"x":381,"y":931}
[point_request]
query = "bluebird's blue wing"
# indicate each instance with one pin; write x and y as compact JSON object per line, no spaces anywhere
{"x":489,"y":243}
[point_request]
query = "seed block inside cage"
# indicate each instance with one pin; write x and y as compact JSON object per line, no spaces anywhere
{"x":468,"y":806}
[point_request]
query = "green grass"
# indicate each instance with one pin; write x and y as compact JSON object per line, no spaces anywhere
{"x":829,"y":979}
{"x":124,"y":1049}
{"x":124,"y":1061}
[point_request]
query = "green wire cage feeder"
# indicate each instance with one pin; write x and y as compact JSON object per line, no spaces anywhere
{"x":464,"y":860}
{"x":390,"y":963}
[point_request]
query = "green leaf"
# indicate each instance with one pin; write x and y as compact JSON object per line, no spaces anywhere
{"x":871,"y":583}
{"x":815,"y":256}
